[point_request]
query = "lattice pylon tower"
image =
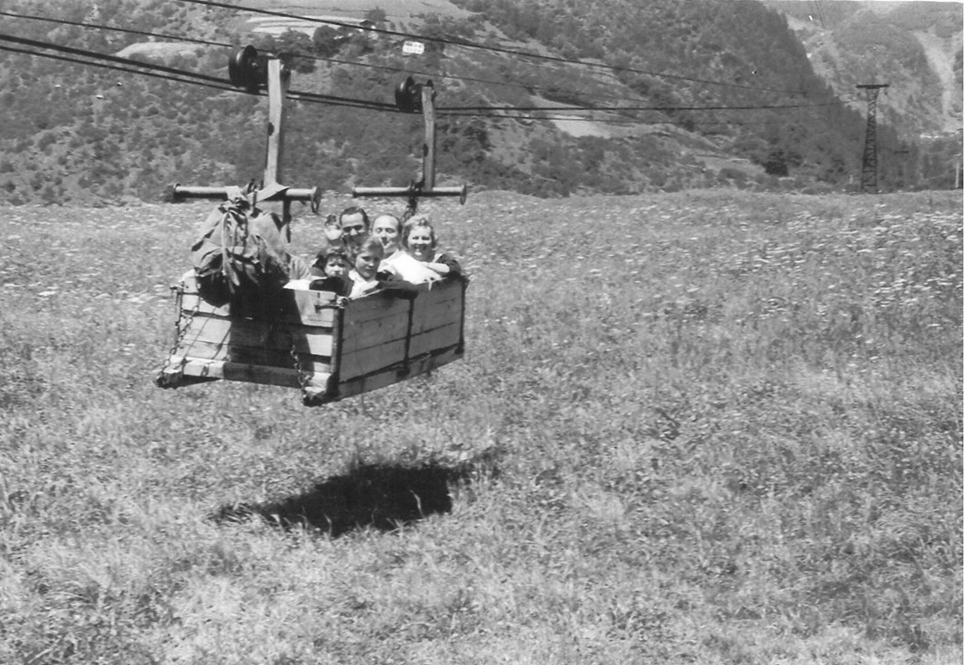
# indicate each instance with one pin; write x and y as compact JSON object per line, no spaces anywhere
{"x":868,"y":175}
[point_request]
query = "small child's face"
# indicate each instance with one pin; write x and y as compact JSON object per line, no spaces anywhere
{"x":366,"y":264}
{"x":336,"y":266}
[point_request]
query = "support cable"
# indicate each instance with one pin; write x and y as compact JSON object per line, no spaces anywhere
{"x":495,"y":49}
{"x":337,"y":61}
{"x":220,"y":83}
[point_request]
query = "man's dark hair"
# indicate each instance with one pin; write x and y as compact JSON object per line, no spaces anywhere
{"x":354,"y":210}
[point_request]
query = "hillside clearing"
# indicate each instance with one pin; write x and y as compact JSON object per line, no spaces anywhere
{"x":158,"y":49}
{"x":394,"y":9}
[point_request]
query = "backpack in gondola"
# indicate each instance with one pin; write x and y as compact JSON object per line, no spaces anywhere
{"x":239,"y":256}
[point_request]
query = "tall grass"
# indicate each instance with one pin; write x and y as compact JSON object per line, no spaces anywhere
{"x":703,"y":427}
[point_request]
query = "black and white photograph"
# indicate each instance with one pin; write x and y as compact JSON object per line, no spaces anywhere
{"x":481,"y":332}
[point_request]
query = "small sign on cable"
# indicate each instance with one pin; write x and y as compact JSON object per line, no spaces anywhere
{"x":413,"y":48}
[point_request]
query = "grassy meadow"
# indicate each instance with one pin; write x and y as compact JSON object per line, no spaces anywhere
{"x":703,"y":427}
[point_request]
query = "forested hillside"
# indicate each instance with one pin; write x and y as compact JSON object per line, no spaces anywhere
{"x":693,"y":94}
{"x":708,"y":55}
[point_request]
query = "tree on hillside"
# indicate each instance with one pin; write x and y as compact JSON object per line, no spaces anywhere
{"x":376,"y":15}
{"x":327,"y":41}
{"x":296,"y":50}
{"x":359,"y":44}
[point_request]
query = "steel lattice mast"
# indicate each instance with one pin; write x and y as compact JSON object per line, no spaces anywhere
{"x":868,"y":176}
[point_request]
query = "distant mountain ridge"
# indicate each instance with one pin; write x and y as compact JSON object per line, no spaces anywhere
{"x":724,"y":96}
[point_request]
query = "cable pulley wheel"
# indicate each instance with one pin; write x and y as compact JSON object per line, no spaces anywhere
{"x":408,"y":96}
{"x":246,"y":69}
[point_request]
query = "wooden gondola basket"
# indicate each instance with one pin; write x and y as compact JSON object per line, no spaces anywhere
{"x":328,"y":346}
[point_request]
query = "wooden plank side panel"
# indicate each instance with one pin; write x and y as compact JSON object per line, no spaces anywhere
{"x":203,"y":351}
{"x":323,"y":313}
{"x":374,"y":332}
{"x":373,"y":307}
{"x":384,"y":304}
{"x":253,"y":356}
{"x":431,"y":340}
{"x":246,"y":332}
{"x":192,"y":303}
{"x":393,"y":325}
{"x":275,"y":376}
{"x":430,"y":314}
{"x":382,"y":318}
{"x":366,"y":361}
{"x":316,"y":308}
{"x":280,"y":359}
{"x":386,"y":377}
{"x":209,"y":334}
{"x":373,"y":345}
{"x":305,"y":339}
{"x":445,"y":290}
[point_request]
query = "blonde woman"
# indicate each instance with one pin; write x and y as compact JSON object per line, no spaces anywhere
{"x":420,"y":242}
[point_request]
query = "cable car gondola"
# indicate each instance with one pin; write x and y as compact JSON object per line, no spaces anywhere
{"x":327,"y":346}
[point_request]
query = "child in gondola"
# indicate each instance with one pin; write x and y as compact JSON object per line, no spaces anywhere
{"x":330,"y":271}
{"x":365,"y":277}
{"x":331,"y":262}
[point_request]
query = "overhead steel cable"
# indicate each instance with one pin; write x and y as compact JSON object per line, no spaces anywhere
{"x":611,"y":109}
{"x":343,"y":101}
{"x":181,"y":38}
{"x":338,"y":101}
{"x":206,"y":42}
{"x":363,"y":104}
{"x":607,"y":121}
{"x":131,"y":65}
{"x":346,"y":101}
{"x":453,"y":77}
{"x":317,"y":58}
{"x":603,"y":121}
{"x":111,"y":58}
{"x":128,"y":65}
{"x":92,"y":63}
{"x":182,"y":75}
{"x":325,"y":99}
{"x":495,"y":49}
{"x":99,"y":26}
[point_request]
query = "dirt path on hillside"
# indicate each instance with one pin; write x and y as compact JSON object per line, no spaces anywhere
{"x":395,"y":9}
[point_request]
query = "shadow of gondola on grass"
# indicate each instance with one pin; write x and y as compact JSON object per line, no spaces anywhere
{"x":379,"y":496}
